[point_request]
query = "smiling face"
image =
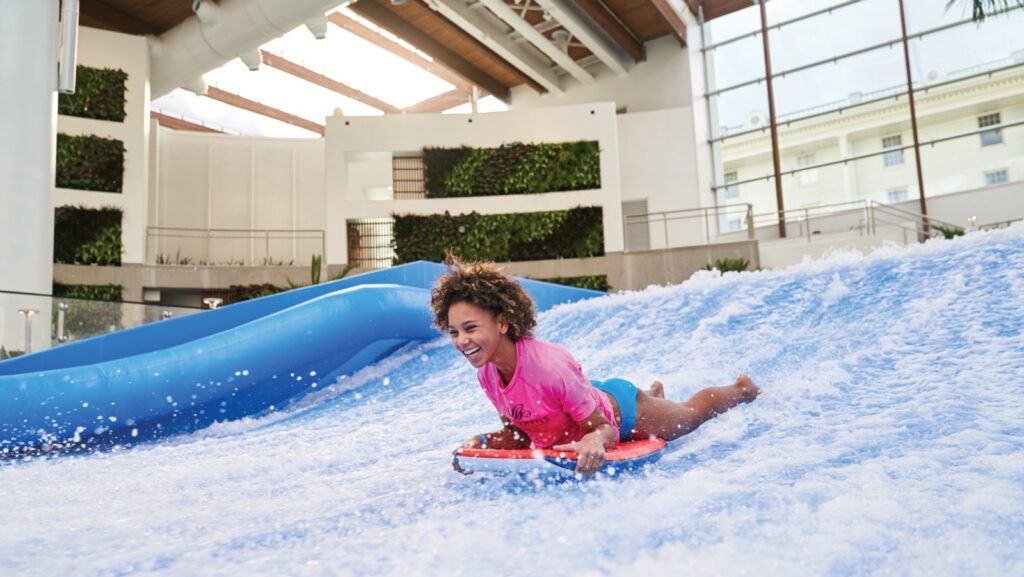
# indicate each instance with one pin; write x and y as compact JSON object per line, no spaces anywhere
{"x":481,"y":337}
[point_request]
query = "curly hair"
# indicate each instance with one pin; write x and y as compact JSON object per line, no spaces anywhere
{"x":484,"y":285}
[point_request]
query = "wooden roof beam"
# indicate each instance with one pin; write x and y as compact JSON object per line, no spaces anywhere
{"x":674,"y":21}
{"x":606,"y":19}
{"x":586,"y":33}
{"x":393,"y":23}
{"x":99,"y":14}
{"x":299,"y":71}
{"x":439,"y":103}
{"x":498,"y":41}
{"x":173,"y":123}
{"x":435,"y":67}
{"x":262,"y":109}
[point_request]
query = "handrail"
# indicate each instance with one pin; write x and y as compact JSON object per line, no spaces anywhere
{"x":704,"y":213}
{"x":208,"y":234}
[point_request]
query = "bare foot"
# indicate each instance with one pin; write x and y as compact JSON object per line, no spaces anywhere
{"x":656,"y":389}
{"x":748,"y":389}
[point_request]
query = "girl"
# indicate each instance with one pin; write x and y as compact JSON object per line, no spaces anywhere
{"x":539,"y":390}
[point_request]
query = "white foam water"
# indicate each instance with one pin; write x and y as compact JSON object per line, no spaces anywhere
{"x":889,"y":439}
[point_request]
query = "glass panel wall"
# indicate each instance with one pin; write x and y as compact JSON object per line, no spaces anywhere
{"x":31,"y":323}
{"x":840,"y":89}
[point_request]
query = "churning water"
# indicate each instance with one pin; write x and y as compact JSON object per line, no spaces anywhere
{"x":889,"y":439}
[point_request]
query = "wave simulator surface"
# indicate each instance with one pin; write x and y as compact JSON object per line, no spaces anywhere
{"x":889,"y":439}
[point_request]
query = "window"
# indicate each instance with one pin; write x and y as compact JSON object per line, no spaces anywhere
{"x":733,"y":224}
{"x":893,"y":157}
{"x":994,"y":136}
{"x":731,"y":190}
{"x":806,"y":177}
{"x":993,"y":177}
{"x":897,"y":194}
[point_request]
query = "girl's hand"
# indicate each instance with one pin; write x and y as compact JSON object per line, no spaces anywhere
{"x":590,"y":454}
{"x":470,"y":443}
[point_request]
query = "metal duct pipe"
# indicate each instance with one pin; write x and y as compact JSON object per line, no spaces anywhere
{"x":252,"y":59}
{"x":68,"y":46}
{"x":317,"y":26}
{"x":195,"y":47}
{"x":207,"y":12}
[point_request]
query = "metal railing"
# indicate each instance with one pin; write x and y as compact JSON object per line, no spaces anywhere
{"x":708,"y":218}
{"x":239,"y":247}
{"x":812,"y":220}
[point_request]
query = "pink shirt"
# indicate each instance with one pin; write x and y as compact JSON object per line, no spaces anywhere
{"x":546,"y":396}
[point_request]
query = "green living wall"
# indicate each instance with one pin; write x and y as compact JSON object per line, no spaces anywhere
{"x":87,"y":235}
{"x":90,"y":163}
{"x":500,"y":237}
{"x":514,"y":168}
{"x":99,"y":94}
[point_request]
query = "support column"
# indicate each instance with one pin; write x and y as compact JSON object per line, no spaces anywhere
{"x":849,"y":169}
{"x":28,"y":115}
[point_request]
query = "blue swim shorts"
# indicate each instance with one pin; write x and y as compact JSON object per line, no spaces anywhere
{"x":624,"y":393}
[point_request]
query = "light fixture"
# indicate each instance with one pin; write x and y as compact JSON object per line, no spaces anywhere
{"x":397,"y":2}
{"x":561,"y":39}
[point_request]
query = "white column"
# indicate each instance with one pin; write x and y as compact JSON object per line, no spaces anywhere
{"x":849,"y":169}
{"x":28,"y":115}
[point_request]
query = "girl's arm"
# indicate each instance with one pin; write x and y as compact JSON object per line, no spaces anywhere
{"x":509,"y":437}
{"x":599,"y":435}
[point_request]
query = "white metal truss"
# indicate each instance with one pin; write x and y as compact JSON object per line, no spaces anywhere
{"x":585,"y":33}
{"x":543,"y":43}
{"x":492,"y":36}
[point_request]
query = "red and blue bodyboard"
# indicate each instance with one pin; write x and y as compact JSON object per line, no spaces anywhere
{"x":626,"y":456}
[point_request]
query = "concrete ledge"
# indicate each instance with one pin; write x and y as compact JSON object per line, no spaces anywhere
{"x":135,"y":277}
{"x":625,"y":271}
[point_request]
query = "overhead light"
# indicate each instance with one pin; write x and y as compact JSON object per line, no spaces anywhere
{"x":561,"y":39}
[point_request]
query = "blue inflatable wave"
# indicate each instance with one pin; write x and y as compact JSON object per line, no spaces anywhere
{"x":184,"y":374}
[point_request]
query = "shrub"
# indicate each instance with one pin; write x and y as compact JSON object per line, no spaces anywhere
{"x":514,"y":168}
{"x":729,"y":265}
{"x":90,"y":163}
{"x":87,"y":235}
{"x":597,"y":282}
{"x":501,"y":237}
{"x":99,"y":94}
{"x":948,"y":232}
{"x":239,"y":293}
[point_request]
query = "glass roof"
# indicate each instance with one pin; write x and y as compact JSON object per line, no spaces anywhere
{"x":342,"y":56}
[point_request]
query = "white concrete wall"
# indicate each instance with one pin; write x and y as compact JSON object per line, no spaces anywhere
{"x":213,"y":181}
{"x":103,"y":49}
{"x":349,"y":139}
{"x":658,"y":163}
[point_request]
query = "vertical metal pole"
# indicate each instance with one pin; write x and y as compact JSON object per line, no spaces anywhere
{"x":28,"y":314}
{"x":751,"y":234}
{"x":62,"y":309}
{"x":266,"y":245}
{"x":664,"y":226}
{"x":776,"y":164}
{"x":707,"y":227}
{"x":913,"y":120}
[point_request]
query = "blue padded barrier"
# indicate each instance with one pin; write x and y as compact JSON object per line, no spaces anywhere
{"x":186,"y":373}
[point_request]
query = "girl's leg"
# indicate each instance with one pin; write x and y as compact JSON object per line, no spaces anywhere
{"x":659,"y":417}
